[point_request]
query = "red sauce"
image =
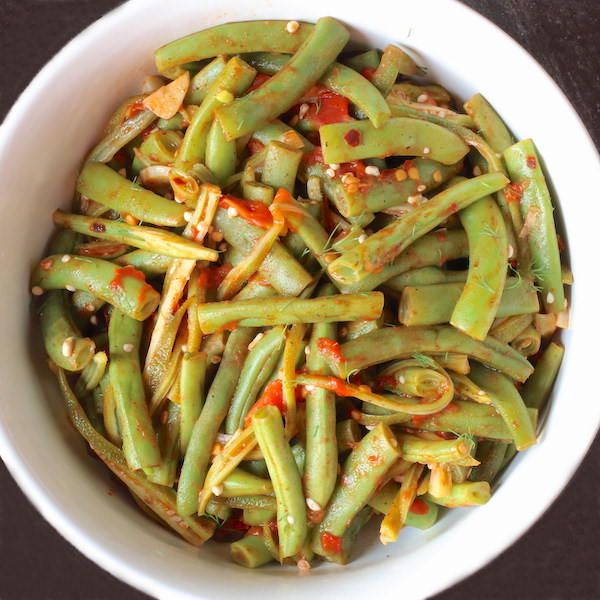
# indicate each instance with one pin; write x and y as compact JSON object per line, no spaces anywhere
{"x":233,"y":529}
{"x":356,"y":167}
{"x":254,"y":146}
{"x":134,"y":108}
{"x":315,"y":156}
{"x":531,"y":162}
{"x":367,"y":73}
{"x":352,"y":138}
{"x":419,"y":507}
{"x":272,"y":396}
{"x":332,"y":544}
{"x":329,"y":107}
{"x":513,"y":192}
{"x":330,"y":349}
{"x":211,"y":277}
{"x":127,"y":271}
{"x":385,"y":381}
{"x":253,"y":211}
{"x":258,"y":81}
{"x":336,"y":385}
{"x":417,"y":420}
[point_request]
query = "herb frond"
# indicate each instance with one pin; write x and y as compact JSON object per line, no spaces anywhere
{"x":424,"y":360}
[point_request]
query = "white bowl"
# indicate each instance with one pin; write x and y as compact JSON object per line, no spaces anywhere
{"x":42,"y":142}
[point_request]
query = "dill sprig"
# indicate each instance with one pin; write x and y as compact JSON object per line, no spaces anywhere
{"x":424,"y":360}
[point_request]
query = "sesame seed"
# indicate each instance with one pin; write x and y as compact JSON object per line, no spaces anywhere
{"x":216,"y":236}
{"x":401,"y":380}
{"x":400,"y":174}
{"x":89,"y":307}
{"x":217,"y":490}
{"x":313,"y":504}
{"x":372,"y":170}
{"x":370,"y":427}
{"x":215,"y":360}
{"x":225,"y":96}
{"x":550,"y":298}
{"x":347,"y":177}
{"x":307,"y":350}
{"x":437,"y":176}
{"x":131,"y":220}
{"x":330,"y":173}
{"x":303,"y":565}
{"x":36,"y":290}
{"x":423,"y":98}
{"x":481,"y":393}
{"x":413,"y":200}
{"x":413,"y":173}
{"x":427,"y":150}
{"x":65,"y":258}
{"x":94,"y":320}
{"x":184,"y":348}
{"x":290,"y":519}
{"x":310,"y":388}
{"x":70,"y":288}
{"x":68,"y":347}
{"x":304,"y":108}
{"x":511,"y":251}
{"x":477,"y":170}
{"x":334,"y":166}
{"x":421,"y":188}
{"x":187,"y":216}
{"x":292,"y":26}
{"x":257,"y":338}
{"x":362,"y":238}
{"x":128,"y":347}
{"x":232,"y":212}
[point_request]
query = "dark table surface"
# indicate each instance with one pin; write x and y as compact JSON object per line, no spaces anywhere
{"x":558,"y":558}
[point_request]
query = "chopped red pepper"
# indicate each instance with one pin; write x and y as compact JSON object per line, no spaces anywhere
{"x":329,"y":107}
{"x":134,"y":108}
{"x":513,"y":192}
{"x":352,"y":138}
{"x":531,"y":162}
{"x":127,"y":271}
{"x":332,"y":544}
{"x":419,"y":507}
{"x":211,"y":277}
{"x":330,"y":349}
{"x":272,"y":396}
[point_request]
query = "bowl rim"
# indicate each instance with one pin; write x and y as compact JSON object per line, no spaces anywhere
{"x":83,"y":541}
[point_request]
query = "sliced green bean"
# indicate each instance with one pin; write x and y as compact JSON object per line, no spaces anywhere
{"x":507,"y":329}
{"x":348,"y":434}
{"x":203,"y":79}
{"x":470,"y":493}
{"x":355,"y":140}
{"x":489,"y":123}
{"x":415,"y":92}
{"x":528,"y":342}
{"x":537,"y":388}
{"x":250,"y":552}
{"x":417,"y":450}
{"x":259,"y":516}
{"x":214,"y":316}
{"x":491,"y":457}
{"x":394,"y":61}
{"x":241,"y":483}
{"x":424,"y":276}
{"x":122,"y":289}
{"x":364,"y":60}
{"x":282,"y":91}
{"x":168,"y":431}
{"x":221,"y":155}
{"x":281,"y":166}
{"x":193,"y":377}
{"x":291,"y":513}
{"x":150,"y":264}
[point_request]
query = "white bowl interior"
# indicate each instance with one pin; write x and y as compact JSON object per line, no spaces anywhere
{"x":42,"y":143}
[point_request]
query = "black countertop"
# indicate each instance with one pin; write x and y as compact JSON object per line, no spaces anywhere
{"x":558,"y":558}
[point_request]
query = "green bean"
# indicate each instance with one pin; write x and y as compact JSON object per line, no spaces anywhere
{"x":380,"y":193}
{"x":507,"y":329}
{"x":348,"y":434}
{"x":506,"y":400}
{"x":250,"y":552}
{"x":489,"y":124}
{"x":257,"y":367}
{"x":385,"y":245}
{"x":259,"y":516}
{"x":491,"y":456}
{"x":205,"y":429}
{"x":214,"y":316}
{"x":358,"y":328}
{"x":291,"y":513}
{"x":525,"y":170}
{"x":92,"y":374}
{"x":234,"y":79}
{"x":283,"y":90}
{"x":391,"y":343}
{"x":537,"y":388}
{"x":85,"y":303}
{"x":393,"y":61}
{"x":106,"y":281}
{"x":140,"y":445}
{"x":203,"y":79}
{"x":355,"y":140}
{"x":359,"y":521}
{"x":193,"y":377}
{"x":231,"y":38}
{"x":151,"y":239}
{"x":281,"y":166}
{"x":158,"y":498}
{"x":168,"y":432}
{"x":109,"y":413}
{"x":359,"y":480}
{"x":241,"y":483}
{"x":423,"y":277}
{"x":103,"y":185}
{"x":221,"y":155}
{"x":383,"y":499}
{"x":364,"y":60}
{"x":150,"y":264}
{"x":278,"y":131}
{"x":471,"y":493}
{"x":158,"y":148}
{"x":434,"y":304}
{"x":176,"y":123}
{"x":413,"y":92}
{"x":482,"y":294}
{"x":280,"y":269}
{"x":320,"y":472}
{"x":417,"y":450}
{"x":246,"y":502}
{"x":121,"y":135}
{"x":528,"y":342}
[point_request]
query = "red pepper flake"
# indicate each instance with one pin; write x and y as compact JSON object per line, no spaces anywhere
{"x":134,"y":108}
{"x":368,"y":73}
{"x":128,"y":271}
{"x":531,"y":162}
{"x":419,"y":507}
{"x":330,"y":349}
{"x":253,"y":211}
{"x":97,"y":227}
{"x":513,"y":192}
{"x":352,"y":138}
{"x":332,"y":544}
